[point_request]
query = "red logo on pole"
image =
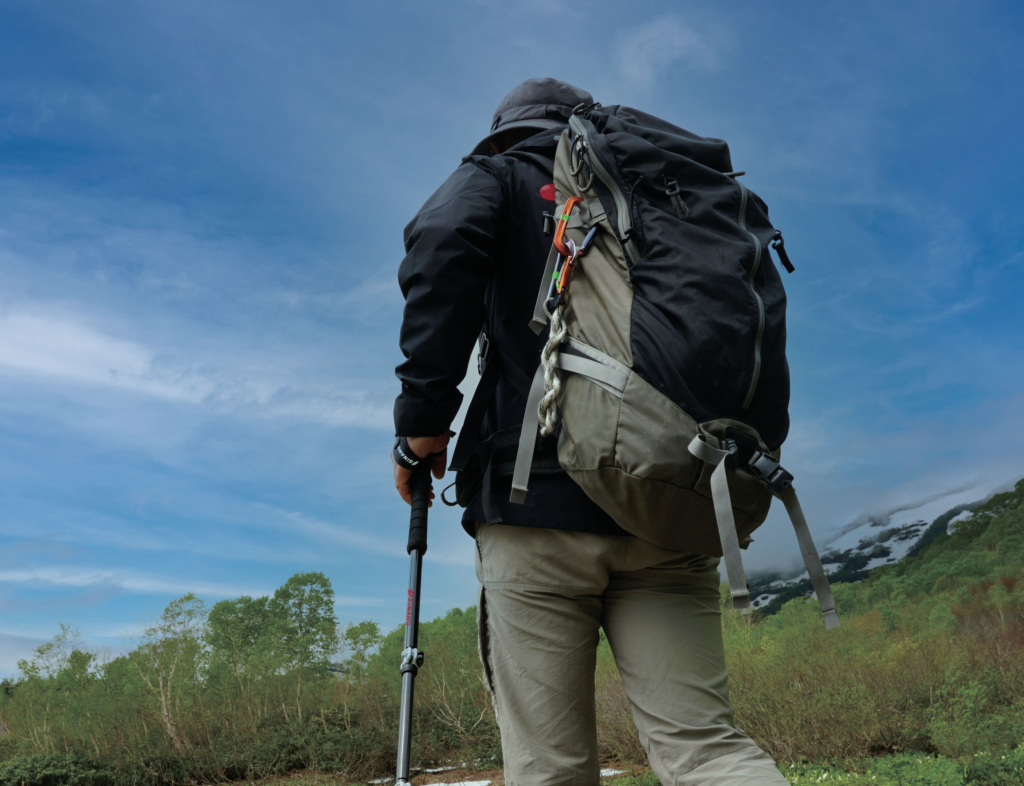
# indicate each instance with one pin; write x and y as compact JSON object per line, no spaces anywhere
{"x":408,"y":609}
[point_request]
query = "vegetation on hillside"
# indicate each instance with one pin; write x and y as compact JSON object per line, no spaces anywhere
{"x":929,"y":659}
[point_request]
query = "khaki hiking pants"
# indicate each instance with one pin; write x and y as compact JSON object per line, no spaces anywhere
{"x":543,"y":596}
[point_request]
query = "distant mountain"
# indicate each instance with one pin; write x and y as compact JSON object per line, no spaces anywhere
{"x":870,"y":543}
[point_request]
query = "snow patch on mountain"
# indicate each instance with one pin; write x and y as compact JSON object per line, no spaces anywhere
{"x":881,"y":539}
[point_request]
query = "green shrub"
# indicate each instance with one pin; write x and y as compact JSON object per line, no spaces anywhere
{"x":54,"y":769}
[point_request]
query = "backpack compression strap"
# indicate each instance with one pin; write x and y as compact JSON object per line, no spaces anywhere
{"x":574,"y":357}
{"x":726,"y":523}
{"x":730,"y":545}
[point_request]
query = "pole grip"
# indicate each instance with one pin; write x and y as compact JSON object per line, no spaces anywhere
{"x":419,"y":484}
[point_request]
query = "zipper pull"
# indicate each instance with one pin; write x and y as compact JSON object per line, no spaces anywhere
{"x":780,"y":248}
{"x":672,"y":191}
{"x":548,"y":224}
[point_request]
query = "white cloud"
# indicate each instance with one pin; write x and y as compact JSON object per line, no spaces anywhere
{"x":144,"y":583}
{"x":352,"y":600}
{"x":647,"y":51}
{"x":325,"y":532}
{"x":14,"y":647}
{"x":55,"y":346}
{"x":46,"y":346}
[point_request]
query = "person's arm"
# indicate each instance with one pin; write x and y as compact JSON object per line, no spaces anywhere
{"x":451,"y":246}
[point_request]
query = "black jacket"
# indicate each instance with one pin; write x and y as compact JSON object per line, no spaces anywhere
{"x":475,"y":254}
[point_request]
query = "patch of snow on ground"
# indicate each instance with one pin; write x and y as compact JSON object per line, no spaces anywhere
{"x":609,"y":773}
{"x":787,"y":582}
{"x":456,"y":783}
{"x":764,"y":599}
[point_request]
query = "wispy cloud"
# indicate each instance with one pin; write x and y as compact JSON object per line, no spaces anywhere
{"x":647,"y":51}
{"x":62,"y":350}
{"x":144,"y":583}
{"x":327,"y":532}
{"x":15,"y":647}
{"x":353,"y":600}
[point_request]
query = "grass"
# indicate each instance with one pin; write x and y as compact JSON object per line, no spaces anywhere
{"x":901,"y":769}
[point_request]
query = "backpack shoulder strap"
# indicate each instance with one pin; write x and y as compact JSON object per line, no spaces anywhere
{"x":492,"y":364}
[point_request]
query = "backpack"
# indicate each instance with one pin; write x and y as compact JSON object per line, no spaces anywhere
{"x":665,"y":378}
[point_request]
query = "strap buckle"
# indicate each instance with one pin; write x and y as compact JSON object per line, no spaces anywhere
{"x":744,"y":454}
{"x":486,"y":346}
{"x":766,"y":468}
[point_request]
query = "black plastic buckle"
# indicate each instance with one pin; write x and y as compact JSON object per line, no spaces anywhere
{"x":741,"y":447}
{"x":548,"y":224}
{"x":766,"y":468}
{"x":484,"y":354}
{"x":744,"y":454}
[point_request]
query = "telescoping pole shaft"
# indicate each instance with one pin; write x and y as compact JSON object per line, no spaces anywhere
{"x":412,"y":658}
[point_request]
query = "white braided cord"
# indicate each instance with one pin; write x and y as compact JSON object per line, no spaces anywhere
{"x":547,"y":410}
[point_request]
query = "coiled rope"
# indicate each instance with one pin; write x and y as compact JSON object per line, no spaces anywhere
{"x":547,"y":410}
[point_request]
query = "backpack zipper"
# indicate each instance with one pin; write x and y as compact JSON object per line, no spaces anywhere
{"x":625,"y":219}
{"x":757,"y":297}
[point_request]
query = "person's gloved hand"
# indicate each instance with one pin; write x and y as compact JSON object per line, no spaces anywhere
{"x":422,"y":446}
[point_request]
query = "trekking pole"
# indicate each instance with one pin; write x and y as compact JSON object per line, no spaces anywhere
{"x":412,"y":658}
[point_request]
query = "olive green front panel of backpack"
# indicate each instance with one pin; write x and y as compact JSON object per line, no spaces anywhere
{"x":647,"y":486}
{"x":630,"y":457}
{"x":660,"y":512}
{"x":590,"y":417}
{"x":600,"y":295}
{"x":651,"y":430}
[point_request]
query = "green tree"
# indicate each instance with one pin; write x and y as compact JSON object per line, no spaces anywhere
{"x":942,"y":620}
{"x":169,"y":657}
{"x":359,"y":641}
{"x":241,"y":648}
{"x":302,"y":614}
{"x":1001,"y":599}
{"x":40,"y":696}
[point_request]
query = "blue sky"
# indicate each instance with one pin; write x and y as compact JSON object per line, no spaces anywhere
{"x":201,"y":208}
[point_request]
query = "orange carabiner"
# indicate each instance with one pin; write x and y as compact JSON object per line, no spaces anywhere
{"x":563,"y":220}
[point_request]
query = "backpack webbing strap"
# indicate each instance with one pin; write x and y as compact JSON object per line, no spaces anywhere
{"x":574,"y":357}
{"x":730,"y":547}
{"x":540,"y":314}
{"x":495,"y":363}
{"x":811,"y":559}
{"x":726,"y":523}
{"x":475,"y":415}
{"x":587,"y":213}
{"x":611,"y":379}
{"x":527,"y":440}
{"x":601,"y":368}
